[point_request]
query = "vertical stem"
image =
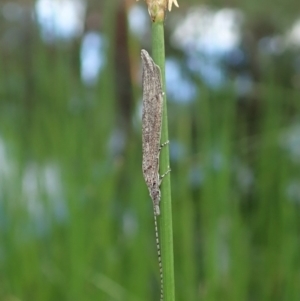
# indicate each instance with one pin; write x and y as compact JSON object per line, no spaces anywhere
{"x":166,"y":230}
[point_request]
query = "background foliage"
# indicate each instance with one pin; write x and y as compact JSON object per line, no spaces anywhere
{"x":75,"y":216}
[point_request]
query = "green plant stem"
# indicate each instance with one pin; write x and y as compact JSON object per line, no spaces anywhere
{"x":165,"y":220}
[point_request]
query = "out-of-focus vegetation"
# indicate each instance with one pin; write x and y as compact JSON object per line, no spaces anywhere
{"x":75,"y":216}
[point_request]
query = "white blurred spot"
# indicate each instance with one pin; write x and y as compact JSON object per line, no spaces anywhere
{"x":60,"y":18}
{"x":206,"y":36}
{"x":138,"y":19}
{"x":92,"y":57}
{"x":293,"y":35}
{"x":179,"y":88}
{"x":208,"y":31}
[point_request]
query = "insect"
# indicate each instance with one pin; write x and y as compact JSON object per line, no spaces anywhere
{"x":151,"y":134}
{"x":151,"y":127}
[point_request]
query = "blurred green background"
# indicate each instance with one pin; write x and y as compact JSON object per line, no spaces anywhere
{"x":76,"y":220}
